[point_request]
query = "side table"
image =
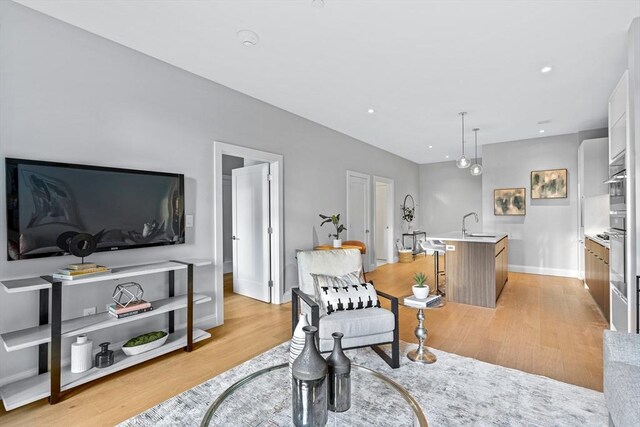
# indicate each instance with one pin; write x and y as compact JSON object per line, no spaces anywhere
{"x":422,"y":354}
{"x":414,"y":240}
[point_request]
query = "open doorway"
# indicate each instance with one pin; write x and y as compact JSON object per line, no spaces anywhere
{"x":248,"y":223}
{"x":383,"y":220}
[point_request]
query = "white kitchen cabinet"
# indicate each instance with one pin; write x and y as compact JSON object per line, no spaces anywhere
{"x":618,"y":107}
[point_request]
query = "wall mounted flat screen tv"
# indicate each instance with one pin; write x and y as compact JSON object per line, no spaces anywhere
{"x":48,"y":203}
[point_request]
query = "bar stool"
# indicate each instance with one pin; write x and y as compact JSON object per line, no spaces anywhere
{"x":436,"y":248}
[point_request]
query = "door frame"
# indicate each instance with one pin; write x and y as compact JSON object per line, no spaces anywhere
{"x":389,"y":255}
{"x":367,"y":256}
{"x":276,"y":211}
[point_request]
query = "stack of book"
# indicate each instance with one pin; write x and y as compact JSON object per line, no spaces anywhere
{"x":118,"y":311}
{"x":76,"y":271}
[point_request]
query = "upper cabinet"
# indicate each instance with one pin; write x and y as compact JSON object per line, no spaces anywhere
{"x":618,"y":107}
{"x":593,"y":167}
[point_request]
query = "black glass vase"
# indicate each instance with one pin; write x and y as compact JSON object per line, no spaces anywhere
{"x":309,"y":372}
{"x":339,"y":376}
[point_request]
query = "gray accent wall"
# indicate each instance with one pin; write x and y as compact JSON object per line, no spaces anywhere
{"x":545,"y":240}
{"x":68,"y":95}
{"x":446,"y":194}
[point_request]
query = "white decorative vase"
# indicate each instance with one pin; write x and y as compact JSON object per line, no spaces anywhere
{"x":81,"y":356}
{"x":337,"y":243}
{"x":297,"y":341}
{"x":420,"y":292}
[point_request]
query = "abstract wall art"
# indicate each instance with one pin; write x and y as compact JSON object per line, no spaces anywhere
{"x":509,"y":201}
{"x":549,"y":184}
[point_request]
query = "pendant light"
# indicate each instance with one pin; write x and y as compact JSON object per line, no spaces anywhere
{"x":476,"y":168}
{"x":463,"y":162}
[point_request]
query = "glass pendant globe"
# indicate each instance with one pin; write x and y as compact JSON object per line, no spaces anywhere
{"x":476,"y":170}
{"x":463,"y":162}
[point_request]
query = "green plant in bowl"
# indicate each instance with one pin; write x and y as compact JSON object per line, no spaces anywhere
{"x":420,"y":280}
{"x":145,"y":339}
{"x":420,"y":289}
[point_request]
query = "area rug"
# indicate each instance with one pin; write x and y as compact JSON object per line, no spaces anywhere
{"x":455,"y":391}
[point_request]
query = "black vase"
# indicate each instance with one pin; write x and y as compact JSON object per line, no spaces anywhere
{"x":339,"y":376}
{"x":309,"y":394}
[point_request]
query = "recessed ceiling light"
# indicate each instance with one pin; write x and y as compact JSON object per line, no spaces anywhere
{"x":541,"y":131}
{"x":446,"y":157}
{"x":431,"y":146}
{"x":371,"y":111}
{"x":545,"y":69}
{"x":248,"y":38}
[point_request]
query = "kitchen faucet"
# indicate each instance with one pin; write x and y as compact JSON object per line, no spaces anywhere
{"x":464,"y":230}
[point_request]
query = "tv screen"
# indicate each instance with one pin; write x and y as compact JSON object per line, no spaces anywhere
{"x":49,"y":203}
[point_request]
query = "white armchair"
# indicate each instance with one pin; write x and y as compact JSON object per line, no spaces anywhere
{"x":361,"y":328}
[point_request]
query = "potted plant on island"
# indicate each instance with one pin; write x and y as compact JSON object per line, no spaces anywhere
{"x":420,"y":289}
{"x":335,"y":220}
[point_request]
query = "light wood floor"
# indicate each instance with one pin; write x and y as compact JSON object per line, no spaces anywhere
{"x":543,"y":325}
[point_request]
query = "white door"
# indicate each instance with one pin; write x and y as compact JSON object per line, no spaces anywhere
{"x":358,"y":216}
{"x":251,"y":239}
{"x":381,"y":234}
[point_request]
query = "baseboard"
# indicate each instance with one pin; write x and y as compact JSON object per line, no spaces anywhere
{"x":286,"y":297}
{"x":205,"y":323}
{"x":227,"y":267}
{"x":560,"y":272}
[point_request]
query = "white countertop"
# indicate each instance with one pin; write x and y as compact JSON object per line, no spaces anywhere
{"x":598,"y":240}
{"x":487,"y":237}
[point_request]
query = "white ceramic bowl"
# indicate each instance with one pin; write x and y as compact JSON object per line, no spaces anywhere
{"x":131,"y":351}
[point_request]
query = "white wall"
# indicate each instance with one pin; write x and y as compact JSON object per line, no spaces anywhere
{"x":68,"y":95}
{"x":446,"y":195}
{"x":544,"y":241}
{"x":633,"y":48}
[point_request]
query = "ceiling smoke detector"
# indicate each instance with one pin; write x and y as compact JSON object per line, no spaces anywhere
{"x":318,"y":4}
{"x":248,"y":38}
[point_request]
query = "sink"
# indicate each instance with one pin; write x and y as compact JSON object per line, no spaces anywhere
{"x":479,"y":235}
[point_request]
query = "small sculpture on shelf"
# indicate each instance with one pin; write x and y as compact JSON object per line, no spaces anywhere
{"x":126,"y":294}
{"x":104,"y":359}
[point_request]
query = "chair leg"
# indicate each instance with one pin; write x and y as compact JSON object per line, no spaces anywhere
{"x":294,"y":311}
{"x":436,"y":273}
{"x":394,"y":360}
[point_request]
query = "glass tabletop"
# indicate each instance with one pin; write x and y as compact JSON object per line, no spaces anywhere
{"x":264,"y":399}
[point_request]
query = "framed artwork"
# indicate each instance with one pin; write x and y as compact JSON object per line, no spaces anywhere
{"x":509,"y":201}
{"x":549,"y":184}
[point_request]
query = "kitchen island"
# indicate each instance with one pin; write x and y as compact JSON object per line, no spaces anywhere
{"x":476,"y":266}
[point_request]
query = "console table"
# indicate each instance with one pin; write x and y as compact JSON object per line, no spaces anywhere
{"x":47,"y":336}
{"x":414,"y":236}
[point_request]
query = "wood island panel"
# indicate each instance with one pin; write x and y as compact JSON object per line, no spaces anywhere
{"x":476,"y":271}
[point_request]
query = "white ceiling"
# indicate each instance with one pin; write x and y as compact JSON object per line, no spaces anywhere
{"x":417,"y":63}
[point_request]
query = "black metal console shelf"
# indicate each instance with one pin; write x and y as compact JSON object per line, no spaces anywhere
{"x":47,"y":336}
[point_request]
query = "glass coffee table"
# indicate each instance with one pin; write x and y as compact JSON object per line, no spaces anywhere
{"x":264,"y":399}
